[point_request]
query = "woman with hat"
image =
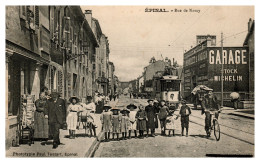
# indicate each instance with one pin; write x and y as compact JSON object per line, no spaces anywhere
{"x":125,"y":123}
{"x":151,"y":113}
{"x":132,"y":119}
{"x":116,"y":122}
{"x":162,"y":115}
{"x":41,"y":128}
{"x":72,"y":117}
{"x":106,"y":118}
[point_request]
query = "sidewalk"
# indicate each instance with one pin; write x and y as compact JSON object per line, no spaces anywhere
{"x":81,"y":146}
{"x":247,"y":113}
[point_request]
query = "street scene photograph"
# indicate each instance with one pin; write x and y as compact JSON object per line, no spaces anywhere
{"x":129,"y":81}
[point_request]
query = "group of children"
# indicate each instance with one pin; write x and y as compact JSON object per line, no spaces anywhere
{"x":130,"y":119}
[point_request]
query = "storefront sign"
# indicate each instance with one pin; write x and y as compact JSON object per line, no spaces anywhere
{"x":228,"y":57}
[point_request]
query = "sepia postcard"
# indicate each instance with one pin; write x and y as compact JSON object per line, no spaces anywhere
{"x":129,"y":81}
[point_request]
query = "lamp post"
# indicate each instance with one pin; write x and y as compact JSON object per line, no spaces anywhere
{"x":222,"y":65}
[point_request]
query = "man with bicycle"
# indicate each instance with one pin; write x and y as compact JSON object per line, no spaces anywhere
{"x":210,"y":104}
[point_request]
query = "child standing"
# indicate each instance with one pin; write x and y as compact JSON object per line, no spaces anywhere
{"x":141,"y":121}
{"x":184,"y":113}
{"x":132,"y":118}
{"x":116,"y":122}
{"x":72,"y":117}
{"x":106,"y":118}
{"x":170,"y":124}
{"x":124,"y":123}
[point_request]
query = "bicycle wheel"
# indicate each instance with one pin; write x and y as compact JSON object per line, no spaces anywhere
{"x":216,"y":129}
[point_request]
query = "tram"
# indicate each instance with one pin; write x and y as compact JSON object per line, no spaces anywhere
{"x":168,"y":89}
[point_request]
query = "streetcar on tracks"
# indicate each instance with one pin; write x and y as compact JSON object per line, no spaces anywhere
{"x":168,"y":88}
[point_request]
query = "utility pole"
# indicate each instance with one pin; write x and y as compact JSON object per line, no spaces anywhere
{"x":222,"y":69}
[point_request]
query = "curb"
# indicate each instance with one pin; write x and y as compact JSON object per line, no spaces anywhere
{"x":243,"y":115}
{"x":95,"y":145}
{"x":91,"y":151}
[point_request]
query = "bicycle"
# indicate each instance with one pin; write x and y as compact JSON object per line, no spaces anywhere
{"x":215,"y":126}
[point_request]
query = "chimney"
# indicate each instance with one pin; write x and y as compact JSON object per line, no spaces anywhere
{"x":88,"y":16}
{"x":249,"y":24}
{"x":172,"y":61}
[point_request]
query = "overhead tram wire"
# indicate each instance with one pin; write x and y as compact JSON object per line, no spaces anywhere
{"x":232,"y":36}
{"x":191,"y":25}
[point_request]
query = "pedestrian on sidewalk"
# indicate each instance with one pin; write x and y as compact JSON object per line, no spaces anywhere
{"x":55,"y":111}
{"x":150,"y":112}
{"x":162,"y":115}
{"x":41,"y":127}
{"x":132,"y":118}
{"x":106,"y":121}
{"x":110,"y":97}
{"x":116,"y":122}
{"x":125,"y":123}
{"x":156,"y":108}
{"x":170,"y":122}
{"x":114,"y":96}
{"x":88,"y":114}
{"x":185,"y":111}
{"x":141,"y":121}
{"x":72,"y":117}
{"x":234,"y":99}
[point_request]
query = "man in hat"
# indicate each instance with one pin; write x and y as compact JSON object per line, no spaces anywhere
{"x":55,"y":111}
{"x":210,"y":104}
{"x":151,"y":118}
{"x":157,"y":109}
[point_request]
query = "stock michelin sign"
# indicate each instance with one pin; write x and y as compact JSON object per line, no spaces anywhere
{"x":235,"y":66}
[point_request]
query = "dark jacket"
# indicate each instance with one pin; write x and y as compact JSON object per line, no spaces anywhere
{"x":56,"y":111}
{"x":150,"y":113}
{"x":185,"y":111}
{"x":210,"y":103}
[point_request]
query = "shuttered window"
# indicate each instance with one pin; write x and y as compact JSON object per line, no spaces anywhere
{"x":60,"y":86}
{"x":36,"y":15}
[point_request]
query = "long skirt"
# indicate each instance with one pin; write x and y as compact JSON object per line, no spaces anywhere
{"x":133,"y":125}
{"x":141,"y":125}
{"x":72,"y":119}
{"x":41,"y":127}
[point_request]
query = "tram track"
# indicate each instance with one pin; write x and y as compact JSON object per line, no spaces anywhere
{"x":225,"y":126}
{"x":225,"y":133}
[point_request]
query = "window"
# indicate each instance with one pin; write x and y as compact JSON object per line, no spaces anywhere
{"x":23,"y":12}
{"x":36,"y":15}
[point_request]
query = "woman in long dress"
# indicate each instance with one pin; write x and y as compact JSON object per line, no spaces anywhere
{"x":41,"y":127}
{"x":72,"y":117}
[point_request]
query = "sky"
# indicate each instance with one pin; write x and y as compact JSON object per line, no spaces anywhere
{"x":135,"y":36}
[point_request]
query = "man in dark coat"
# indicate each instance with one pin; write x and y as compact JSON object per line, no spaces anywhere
{"x":151,"y":118}
{"x":210,"y":103}
{"x":55,"y":111}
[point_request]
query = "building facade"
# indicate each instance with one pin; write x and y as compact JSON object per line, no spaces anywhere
{"x":202,"y":66}
{"x":53,"y":47}
{"x":250,"y":43}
